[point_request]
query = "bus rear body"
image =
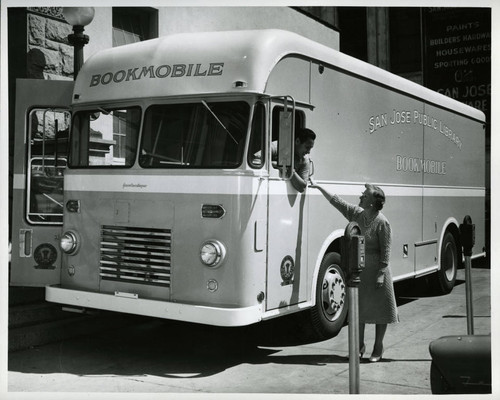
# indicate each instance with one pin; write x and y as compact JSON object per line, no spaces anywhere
{"x":174,"y":208}
{"x":39,"y":157}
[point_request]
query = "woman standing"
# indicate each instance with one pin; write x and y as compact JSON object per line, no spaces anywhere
{"x":377,"y":302}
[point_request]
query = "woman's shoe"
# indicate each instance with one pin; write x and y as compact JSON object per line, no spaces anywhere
{"x":376,"y":358}
{"x":362,"y":351}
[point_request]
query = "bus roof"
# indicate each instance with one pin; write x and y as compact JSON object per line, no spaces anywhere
{"x":203,"y":63}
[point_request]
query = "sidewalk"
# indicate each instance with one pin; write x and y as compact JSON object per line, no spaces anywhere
{"x":150,"y":358}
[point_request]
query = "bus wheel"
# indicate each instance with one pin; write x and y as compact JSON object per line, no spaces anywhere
{"x":447,"y":273}
{"x":329,"y":313}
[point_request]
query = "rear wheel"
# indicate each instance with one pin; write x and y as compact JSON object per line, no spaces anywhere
{"x":329,"y":313}
{"x":447,"y":274}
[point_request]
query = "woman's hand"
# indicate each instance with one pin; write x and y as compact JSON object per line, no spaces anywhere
{"x":312,"y":183}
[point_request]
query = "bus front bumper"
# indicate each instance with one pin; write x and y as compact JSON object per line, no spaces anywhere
{"x":153,"y":308}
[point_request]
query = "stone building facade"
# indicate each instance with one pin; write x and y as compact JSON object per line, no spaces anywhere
{"x":49,"y":55}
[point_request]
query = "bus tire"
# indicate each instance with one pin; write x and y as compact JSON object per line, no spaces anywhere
{"x":330,"y":311}
{"x":448,"y":265}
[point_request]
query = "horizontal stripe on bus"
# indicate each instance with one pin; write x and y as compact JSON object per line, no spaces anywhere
{"x":244,"y":185}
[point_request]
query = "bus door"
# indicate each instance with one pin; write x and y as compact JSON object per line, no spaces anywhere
{"x":39,"y":157}
{"x":287,"y":228}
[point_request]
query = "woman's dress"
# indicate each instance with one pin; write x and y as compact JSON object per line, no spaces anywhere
{"x":377,"y":305}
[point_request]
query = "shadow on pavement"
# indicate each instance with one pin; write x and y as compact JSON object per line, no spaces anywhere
{"x":182,"y":350}
{"x":162,"y":348}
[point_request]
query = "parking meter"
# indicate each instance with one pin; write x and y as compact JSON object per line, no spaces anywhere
{"x":353,"y":261}
{"x":353,"y":253}
{"x":467,"y":238}
{"x":467,"y":235}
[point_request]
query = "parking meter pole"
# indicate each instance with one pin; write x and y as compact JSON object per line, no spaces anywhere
{"x":353,"y":256}
{"x":468,"y":294}
{"x":352,"y":292}
{"x":467,"y":237}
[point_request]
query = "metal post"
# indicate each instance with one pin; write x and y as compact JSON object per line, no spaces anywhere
{"x":468,"y":294}
{"x":78,"y":39}
{"x":353,"y":256}
{"x":352,"y":292}
{"x":467,"y":237}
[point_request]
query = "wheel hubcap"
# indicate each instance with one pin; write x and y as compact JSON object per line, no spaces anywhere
{"x":333,"y":294}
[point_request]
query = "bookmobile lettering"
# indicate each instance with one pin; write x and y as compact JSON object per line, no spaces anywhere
{"x":418,"y":165}
{"x":405,"y":117}
{"x":161,"y":71}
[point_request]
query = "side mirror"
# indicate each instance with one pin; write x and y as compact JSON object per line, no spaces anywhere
{"x":286,"y":142}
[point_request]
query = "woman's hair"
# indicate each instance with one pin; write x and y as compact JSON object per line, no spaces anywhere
{"x":378,"y":195}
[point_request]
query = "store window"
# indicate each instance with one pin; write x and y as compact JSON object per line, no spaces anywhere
{"x":134,"y":24}
{"x":405,"y":40}
{"x":353,"y":32}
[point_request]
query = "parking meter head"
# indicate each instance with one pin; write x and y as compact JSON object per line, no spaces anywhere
{"x":353,"y":253}
{"x":467,"y":235}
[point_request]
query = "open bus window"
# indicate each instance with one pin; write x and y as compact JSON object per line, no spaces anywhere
{"x":195,"y":135}
{"x":47,"y":155}
{"x":105,"y":137}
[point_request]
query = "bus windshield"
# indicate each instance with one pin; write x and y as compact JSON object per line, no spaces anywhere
{"x":194,"y":135}
{"x":105,"y":137}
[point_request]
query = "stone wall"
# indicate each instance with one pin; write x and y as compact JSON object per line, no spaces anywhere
{"x":49,"y":55}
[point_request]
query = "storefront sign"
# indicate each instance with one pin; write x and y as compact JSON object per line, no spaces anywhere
{"x":457,"y":54}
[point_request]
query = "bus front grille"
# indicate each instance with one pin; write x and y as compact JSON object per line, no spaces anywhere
{"x":135,"y":255}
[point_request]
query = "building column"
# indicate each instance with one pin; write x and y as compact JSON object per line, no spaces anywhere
{"x":377,"y":24}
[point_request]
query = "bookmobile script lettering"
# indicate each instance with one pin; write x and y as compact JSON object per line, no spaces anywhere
{"x":405,"y":117}
{"x":161,"y":71}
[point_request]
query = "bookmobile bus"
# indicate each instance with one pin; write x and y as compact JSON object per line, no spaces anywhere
{"x":167,"y":211}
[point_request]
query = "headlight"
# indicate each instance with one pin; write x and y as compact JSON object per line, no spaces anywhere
{"x":212,"y":253}
{"x":69,"y":242}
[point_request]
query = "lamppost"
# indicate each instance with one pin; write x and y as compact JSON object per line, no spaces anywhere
{"x":78,"y":17}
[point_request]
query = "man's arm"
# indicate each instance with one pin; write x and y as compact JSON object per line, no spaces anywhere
{"x":298,"y":182}
{"x":301,"y":176}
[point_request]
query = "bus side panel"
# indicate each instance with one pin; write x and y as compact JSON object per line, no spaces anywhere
{"x":363,"y":131}
{"x":454,"y":173}
{"x":35,"y":258}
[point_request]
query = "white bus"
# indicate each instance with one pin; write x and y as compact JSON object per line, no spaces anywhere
{"x":168,"y":213}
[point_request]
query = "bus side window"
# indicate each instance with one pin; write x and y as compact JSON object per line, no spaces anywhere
{"x":257,"y":147}
{"x":47,"y":158}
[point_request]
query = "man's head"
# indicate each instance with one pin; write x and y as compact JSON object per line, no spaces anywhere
{"x":304,"y":141}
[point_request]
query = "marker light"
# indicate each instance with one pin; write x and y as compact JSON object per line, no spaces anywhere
{"x":69,"y":242}
{"x":212,"y":211}
{"x":212,"y":253}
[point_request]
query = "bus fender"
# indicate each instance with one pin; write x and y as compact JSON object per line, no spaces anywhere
{"x":451,"y":225}
{"x":334,"y":235}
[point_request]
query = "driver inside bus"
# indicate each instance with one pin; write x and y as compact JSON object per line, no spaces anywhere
{"x":304,"y":142}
